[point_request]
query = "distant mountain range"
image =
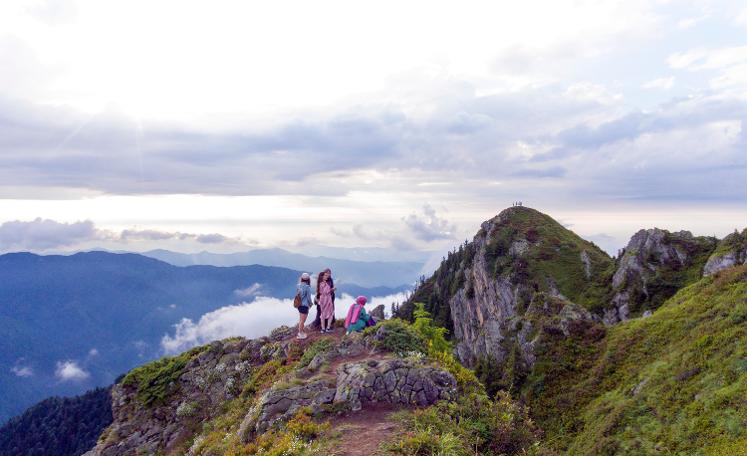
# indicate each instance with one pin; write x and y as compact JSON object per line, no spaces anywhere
{"x":70,"y":323}
{"x":363,"y":273}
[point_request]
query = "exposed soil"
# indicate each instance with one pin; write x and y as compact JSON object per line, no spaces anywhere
{"x":362,"y":432}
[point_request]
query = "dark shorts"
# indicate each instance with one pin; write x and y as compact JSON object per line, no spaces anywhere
{"x":303,"y":309}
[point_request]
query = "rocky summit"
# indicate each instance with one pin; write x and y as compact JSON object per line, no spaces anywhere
{"x":163,"y":407}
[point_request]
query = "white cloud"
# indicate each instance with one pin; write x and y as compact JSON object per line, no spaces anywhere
{"x":429,"y":227}
{"x":250,"y":320}
{"x":22,"y":371}
{"x":741,"y":17}
{"x":250,"y":291}
{"x":660,"y":83}
{"x":301,"y":65}
{"x":708,"y":59}
{"x":43,"y":234}
{"x":93,"y":352}
{"x":70,"y":371}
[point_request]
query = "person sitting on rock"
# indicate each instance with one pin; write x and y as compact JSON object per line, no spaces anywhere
{"x":357,"y":318}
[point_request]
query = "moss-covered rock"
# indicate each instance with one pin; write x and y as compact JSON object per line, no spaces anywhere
{"x":654,"y":265}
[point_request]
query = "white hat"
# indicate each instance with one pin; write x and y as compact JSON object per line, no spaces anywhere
{"x":305,"y":276}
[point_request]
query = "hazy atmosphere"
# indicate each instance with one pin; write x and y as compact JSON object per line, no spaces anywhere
{"x":237,"y":125}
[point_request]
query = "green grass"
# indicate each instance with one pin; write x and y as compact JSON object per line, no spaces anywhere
{"x":553,"y":258}
{"x":319,"y":347}
{"x":158,"y":380}
{"x":673,"y":383}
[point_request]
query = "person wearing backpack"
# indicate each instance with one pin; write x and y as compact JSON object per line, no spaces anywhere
{"x":303,"y":303}
{"x":358,"y":318}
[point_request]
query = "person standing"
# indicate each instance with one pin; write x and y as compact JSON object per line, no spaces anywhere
{"x":325,"y":291}
{"x":318,"y":320}
{"x":304,"y":291}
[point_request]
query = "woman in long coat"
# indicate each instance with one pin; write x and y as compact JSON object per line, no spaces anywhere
{"x":327,"y":306}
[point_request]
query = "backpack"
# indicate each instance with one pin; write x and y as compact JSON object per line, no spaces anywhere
{"x":297,"y":300}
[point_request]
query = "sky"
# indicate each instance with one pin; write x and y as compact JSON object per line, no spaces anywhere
{"x":224,"y":126}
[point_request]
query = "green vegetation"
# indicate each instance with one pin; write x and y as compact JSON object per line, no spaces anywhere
{"x":673,"y":383}
{"x":526,"y":247}
{"x":297,"y":437}
{"x":397,"y":336}
{"x":58,"y":426}
{"x":319,"y":347}
{"x":734,"y":241}
{"x":552,"y":257}
{"x":473,"y":424}
{"x":158,"y":380}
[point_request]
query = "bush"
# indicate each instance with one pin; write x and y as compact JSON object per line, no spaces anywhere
{"x":434,"y":336}
{"x":472,"y":425}
{"x":396,"y":336}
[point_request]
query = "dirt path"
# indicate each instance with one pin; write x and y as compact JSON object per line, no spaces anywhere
{"x":363,"y":431}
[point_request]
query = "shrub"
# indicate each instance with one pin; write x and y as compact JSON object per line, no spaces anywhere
{"x":434,"y":336}
{"x":396,"y":336}
{"x":472,"y":425}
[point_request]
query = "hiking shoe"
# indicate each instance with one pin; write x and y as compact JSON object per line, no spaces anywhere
{"x":301,"y":336}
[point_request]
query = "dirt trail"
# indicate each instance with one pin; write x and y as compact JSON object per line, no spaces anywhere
{"x":363,"y":431}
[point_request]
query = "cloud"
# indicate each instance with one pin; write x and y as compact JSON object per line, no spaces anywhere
{"x":251,"y":291}
{"x":157,"y":235}
{"x":660,"y":83}
{"x":42,"y":234}
{"x":249,"y":320}
{"x":22,"y":371}
{"x":70,"y":371}
{"x":429,"y":227}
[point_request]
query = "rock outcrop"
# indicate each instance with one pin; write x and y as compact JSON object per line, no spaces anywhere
{"x":393,"y":381}
{"x":654,"y":265}
{"x":209,"y":377}
{"x":731,"y":251}
{"x":161,"y":407}
{"x":282,"y":403}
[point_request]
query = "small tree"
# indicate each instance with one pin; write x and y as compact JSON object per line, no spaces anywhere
{"x":434,"y":335}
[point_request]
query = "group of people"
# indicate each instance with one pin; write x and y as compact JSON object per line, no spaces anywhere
{"x":324,"y":300}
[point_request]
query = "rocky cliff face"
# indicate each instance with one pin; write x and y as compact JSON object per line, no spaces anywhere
{"x":731,"y":251}
{"x":654,"y":265}
{"x":518,"y":258}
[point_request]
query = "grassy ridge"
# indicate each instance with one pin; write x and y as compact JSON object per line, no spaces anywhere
{"x":673,"y":383}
